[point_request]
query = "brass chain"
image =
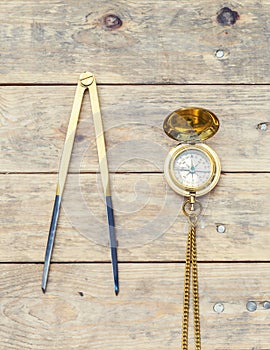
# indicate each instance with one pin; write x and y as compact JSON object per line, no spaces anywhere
{"x":186,"y":295}
{"x":191,"y":263}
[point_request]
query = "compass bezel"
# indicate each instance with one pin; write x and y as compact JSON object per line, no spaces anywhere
{"x":176,"y":185}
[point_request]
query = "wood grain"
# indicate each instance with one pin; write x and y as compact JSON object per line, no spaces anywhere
{"x":149,"y":222}
{"x":213,"y":57}
{"x":34,"y":122}
{"x":54,"y":41}
{"x":80,"y":310}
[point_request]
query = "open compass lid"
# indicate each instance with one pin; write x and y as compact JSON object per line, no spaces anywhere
{"x":191,"y":124}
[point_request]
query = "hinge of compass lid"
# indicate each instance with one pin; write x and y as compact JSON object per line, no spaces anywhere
{"x":191,"y":125}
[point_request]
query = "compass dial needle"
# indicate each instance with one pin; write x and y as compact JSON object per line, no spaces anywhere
{"x":86,"y":81}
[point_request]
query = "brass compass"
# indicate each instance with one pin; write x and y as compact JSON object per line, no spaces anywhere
{"x":192,"y":169}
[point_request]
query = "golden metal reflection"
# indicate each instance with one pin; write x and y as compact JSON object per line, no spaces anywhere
{"x":191,"y":124}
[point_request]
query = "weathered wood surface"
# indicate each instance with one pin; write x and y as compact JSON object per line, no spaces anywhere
{"x":134,"y":41}
{"x":124,"y":43}
{"x":80,"y":311}
{"x":149,"y":223}
{"x":34,"y":122}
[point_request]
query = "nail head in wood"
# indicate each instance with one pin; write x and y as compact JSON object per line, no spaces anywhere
{"x":263,"y":126}
{"x":221,"y":228}
{"x":266,"y":305}
{"x":219,"y":53}
{"x":218,"y":308}
{"x":251,"y":306}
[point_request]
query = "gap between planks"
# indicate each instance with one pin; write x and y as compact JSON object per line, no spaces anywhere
{"x":115,"y":172}
{"x":135,"y":84}
{"x":201,"y":262}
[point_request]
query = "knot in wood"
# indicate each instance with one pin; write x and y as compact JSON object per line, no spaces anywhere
{"x":111,"y":21}
{"x":227,"y":17}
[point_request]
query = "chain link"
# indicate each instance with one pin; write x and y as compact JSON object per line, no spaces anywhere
{"x":191,"y":263}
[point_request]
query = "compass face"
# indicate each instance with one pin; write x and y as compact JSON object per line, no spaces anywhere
{"x":192,"y":169}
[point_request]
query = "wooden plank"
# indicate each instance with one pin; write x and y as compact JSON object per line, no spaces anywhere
{"x":134,"y":41}
{"x":80,"y":310}
{"x":34,"y":122}
{"x":149,"y":222}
